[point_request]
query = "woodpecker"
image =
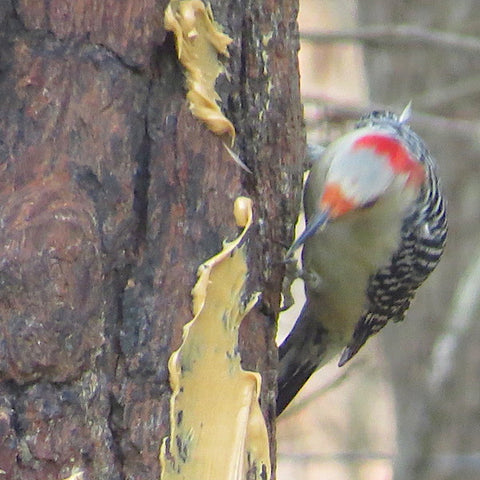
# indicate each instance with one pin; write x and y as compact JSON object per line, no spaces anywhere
{"x":375,"y":229}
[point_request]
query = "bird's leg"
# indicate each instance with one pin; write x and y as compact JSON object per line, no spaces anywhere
{"x":312,"y":280}
{"x":292,"y":272}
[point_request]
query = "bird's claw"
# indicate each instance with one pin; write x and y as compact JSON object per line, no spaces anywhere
{"x":291,"y":274}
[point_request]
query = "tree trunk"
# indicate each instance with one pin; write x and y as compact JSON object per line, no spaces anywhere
{"x":112,"y":194}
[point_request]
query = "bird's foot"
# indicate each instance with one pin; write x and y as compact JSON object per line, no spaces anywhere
{"x":291,"y":274}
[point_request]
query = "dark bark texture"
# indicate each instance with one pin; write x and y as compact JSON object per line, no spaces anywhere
{"x":111,"y":195}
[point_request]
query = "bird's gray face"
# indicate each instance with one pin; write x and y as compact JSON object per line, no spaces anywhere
{"x":364,"y":167}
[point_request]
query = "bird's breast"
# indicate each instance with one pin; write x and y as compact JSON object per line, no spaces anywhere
{"x":345,"y":255}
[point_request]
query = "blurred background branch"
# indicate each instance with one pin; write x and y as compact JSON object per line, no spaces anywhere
{"x":397,"y":35}
{"x":329,"y":111}
{"x":463,"y":314}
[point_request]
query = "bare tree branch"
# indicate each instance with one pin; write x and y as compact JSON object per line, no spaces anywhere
{"x":343,"y":457}
{"x":461,"y":318}
{"x":398,"y":35}
{"x":443,"y":463}
{"x":332,"y":383}
{"x":449,"y":94}
{"x":336,"y":113}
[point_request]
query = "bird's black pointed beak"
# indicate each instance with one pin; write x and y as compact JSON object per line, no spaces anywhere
{"x":317,"y":221}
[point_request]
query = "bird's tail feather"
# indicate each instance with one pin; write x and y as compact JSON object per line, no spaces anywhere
{"x":300,"y":355}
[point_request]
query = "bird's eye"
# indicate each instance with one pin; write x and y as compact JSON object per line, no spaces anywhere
{"x":369,"y":204}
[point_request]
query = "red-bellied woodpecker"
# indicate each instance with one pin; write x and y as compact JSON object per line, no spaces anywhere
{"x":376,"y":228}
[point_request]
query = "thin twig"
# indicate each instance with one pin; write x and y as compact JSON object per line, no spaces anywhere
{"x":404,"y":35}
{"x":344,"y":457}
{"x":331,"y":112}
{"x":302,"y":403}
{"x":442,"y":463}
{"x":460,"y":320}
{"x":449,"y":94}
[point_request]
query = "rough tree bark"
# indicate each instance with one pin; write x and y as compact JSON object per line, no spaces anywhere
{"x":111,"y":195}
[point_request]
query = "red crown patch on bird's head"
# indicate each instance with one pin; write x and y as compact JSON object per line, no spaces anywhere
{"x":400,"y":159}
